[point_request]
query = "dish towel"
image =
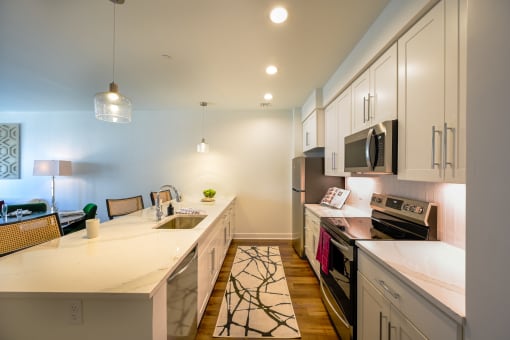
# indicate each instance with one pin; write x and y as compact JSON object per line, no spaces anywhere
{"x":323,"y":250}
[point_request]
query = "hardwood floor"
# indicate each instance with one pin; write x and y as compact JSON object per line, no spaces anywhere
{"x":303,"y":285}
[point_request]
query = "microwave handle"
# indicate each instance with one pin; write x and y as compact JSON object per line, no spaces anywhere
{"x":370,"y":135}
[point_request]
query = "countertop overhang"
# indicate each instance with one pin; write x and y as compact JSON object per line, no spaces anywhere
{"x":130,"y":257}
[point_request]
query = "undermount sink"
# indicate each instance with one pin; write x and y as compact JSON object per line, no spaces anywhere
{"x":182,"y":222}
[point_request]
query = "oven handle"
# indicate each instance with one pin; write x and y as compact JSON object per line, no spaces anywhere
{"x":343,"y":248}
{"x":343,"y":320}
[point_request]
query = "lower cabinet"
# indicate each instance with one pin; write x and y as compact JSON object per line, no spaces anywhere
{"x":378,"y":319}
{"x":389,"y":309}
{"x":312,"y":226}
{"x":212,"y":248}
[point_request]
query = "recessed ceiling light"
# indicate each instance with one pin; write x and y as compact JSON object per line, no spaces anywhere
{"x":268,"y":96}
{"x":271,"y":69}
{"x":278,"y":15}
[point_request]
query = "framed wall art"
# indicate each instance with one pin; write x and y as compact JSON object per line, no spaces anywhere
{"x":9,"y":151}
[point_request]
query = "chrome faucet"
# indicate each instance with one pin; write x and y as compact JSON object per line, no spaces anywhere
{"x":177,"y":196}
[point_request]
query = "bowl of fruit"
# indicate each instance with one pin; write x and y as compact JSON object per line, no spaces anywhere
{"x":208,"y":195}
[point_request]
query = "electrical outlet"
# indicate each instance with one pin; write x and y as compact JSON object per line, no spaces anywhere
{"x":75,"y":312}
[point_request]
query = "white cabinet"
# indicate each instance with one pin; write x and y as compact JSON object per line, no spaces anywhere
{"x":312,"y":226}
{"x":389,"y":309}
{"x":374,"y":93}
{"x":430,"y":110}
{"x":212,"y":248}
{"x":379,"y":318}
{"x":337,"y":117}
{"x":313,"y":130}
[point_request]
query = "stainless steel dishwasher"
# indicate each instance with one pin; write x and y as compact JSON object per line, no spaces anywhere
{"x":181,"y":294}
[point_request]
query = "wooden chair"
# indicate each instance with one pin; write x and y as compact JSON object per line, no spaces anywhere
{"x":19,"y":235}
{"x":164,"y":196}
{"x":123,"y":206}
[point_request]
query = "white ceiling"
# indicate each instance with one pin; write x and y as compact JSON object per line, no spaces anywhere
{"x":56,"y":54}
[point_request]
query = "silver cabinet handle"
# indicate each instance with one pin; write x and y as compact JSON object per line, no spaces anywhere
{"x":364,"y":109}
{"x":383,"y":284}
{"x":333,"y":158}
{"x":306,"y":139}
{"x":213,"y":260}
{"x":369,"y":116}
{"x":433,"y":163}
{"x":445,"y":159}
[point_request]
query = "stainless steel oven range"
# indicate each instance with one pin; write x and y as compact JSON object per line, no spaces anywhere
{"x":392,"y":218}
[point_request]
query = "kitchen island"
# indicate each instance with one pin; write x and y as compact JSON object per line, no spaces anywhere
{"x":117,"y":280}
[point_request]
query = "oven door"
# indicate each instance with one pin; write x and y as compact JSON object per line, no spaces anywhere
{"x":338,"y":288}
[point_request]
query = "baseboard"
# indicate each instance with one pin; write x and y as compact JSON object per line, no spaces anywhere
{"x":261,"y":236}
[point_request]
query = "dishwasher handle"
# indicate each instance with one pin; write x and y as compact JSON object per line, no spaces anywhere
{"x":192,"y":256}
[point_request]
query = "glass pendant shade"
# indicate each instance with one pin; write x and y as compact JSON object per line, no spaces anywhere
{"x":202,"y":146}
{"x":112,"y":106}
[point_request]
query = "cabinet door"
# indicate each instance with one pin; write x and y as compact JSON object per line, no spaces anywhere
{"x":344,"y":129}
{"x":421,"y":82}
{"x":331,"y":139}
{"x":204,"y":278}
{"x":455,"y":91}
{"x":400,"y":328}
{"x":310,"y":132}
{"x":383,"y":87}
{"x":360,"y":102}
{"x":373,"y":311}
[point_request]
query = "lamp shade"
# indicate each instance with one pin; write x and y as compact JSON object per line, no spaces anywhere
{"x":112,"y":106}
{"x":52,"y":168}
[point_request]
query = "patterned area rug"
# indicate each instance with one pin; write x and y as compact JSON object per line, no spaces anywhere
{"x":257,"y":302}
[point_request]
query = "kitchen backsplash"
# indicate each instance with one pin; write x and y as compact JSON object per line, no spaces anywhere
{"x":450,"y":198}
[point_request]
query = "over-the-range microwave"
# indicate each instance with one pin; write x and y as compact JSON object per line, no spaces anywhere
{"x":373,"y":150}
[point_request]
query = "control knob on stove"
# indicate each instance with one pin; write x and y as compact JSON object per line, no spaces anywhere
{"x":418,"y":210}
{"x":405,"y":207}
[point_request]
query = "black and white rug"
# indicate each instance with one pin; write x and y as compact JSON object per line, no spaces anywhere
{"x":257,"y":303}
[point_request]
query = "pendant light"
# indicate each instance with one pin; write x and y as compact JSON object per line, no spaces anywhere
{"x":111,"y":106}
{"x":203,"y":146}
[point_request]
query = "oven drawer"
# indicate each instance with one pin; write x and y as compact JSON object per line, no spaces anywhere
{"x":424,"y":315}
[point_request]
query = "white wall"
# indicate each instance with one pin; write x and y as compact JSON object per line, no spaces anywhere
{"x":250,"y":157}
{"x":488,"y":164}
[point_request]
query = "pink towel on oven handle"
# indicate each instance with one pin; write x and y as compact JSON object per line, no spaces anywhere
{"x":323,"y":250}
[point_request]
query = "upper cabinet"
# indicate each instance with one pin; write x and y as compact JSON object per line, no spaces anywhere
{"x":374,"y":93}
{"x":312,"y":116}
{"x":313,"y":130}
{"x":431,"y":92}
{"x":337,"y":126}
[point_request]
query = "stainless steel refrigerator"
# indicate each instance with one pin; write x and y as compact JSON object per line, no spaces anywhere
{"x":309,"y":185}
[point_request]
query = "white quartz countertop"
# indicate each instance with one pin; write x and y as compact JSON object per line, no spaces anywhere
{"x":346,"y":211}
{"x":434,"y":269}
{"x":129,"y":256}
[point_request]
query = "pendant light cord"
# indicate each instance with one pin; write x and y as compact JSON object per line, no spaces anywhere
{"x":204,"y":105}
{"x":113,"y":52}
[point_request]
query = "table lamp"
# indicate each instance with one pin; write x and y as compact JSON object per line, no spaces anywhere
{"x":52,"y":168}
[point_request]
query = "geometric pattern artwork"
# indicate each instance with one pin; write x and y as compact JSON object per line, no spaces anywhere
{"x":257,"y":302}
{"x":9,"y":151}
